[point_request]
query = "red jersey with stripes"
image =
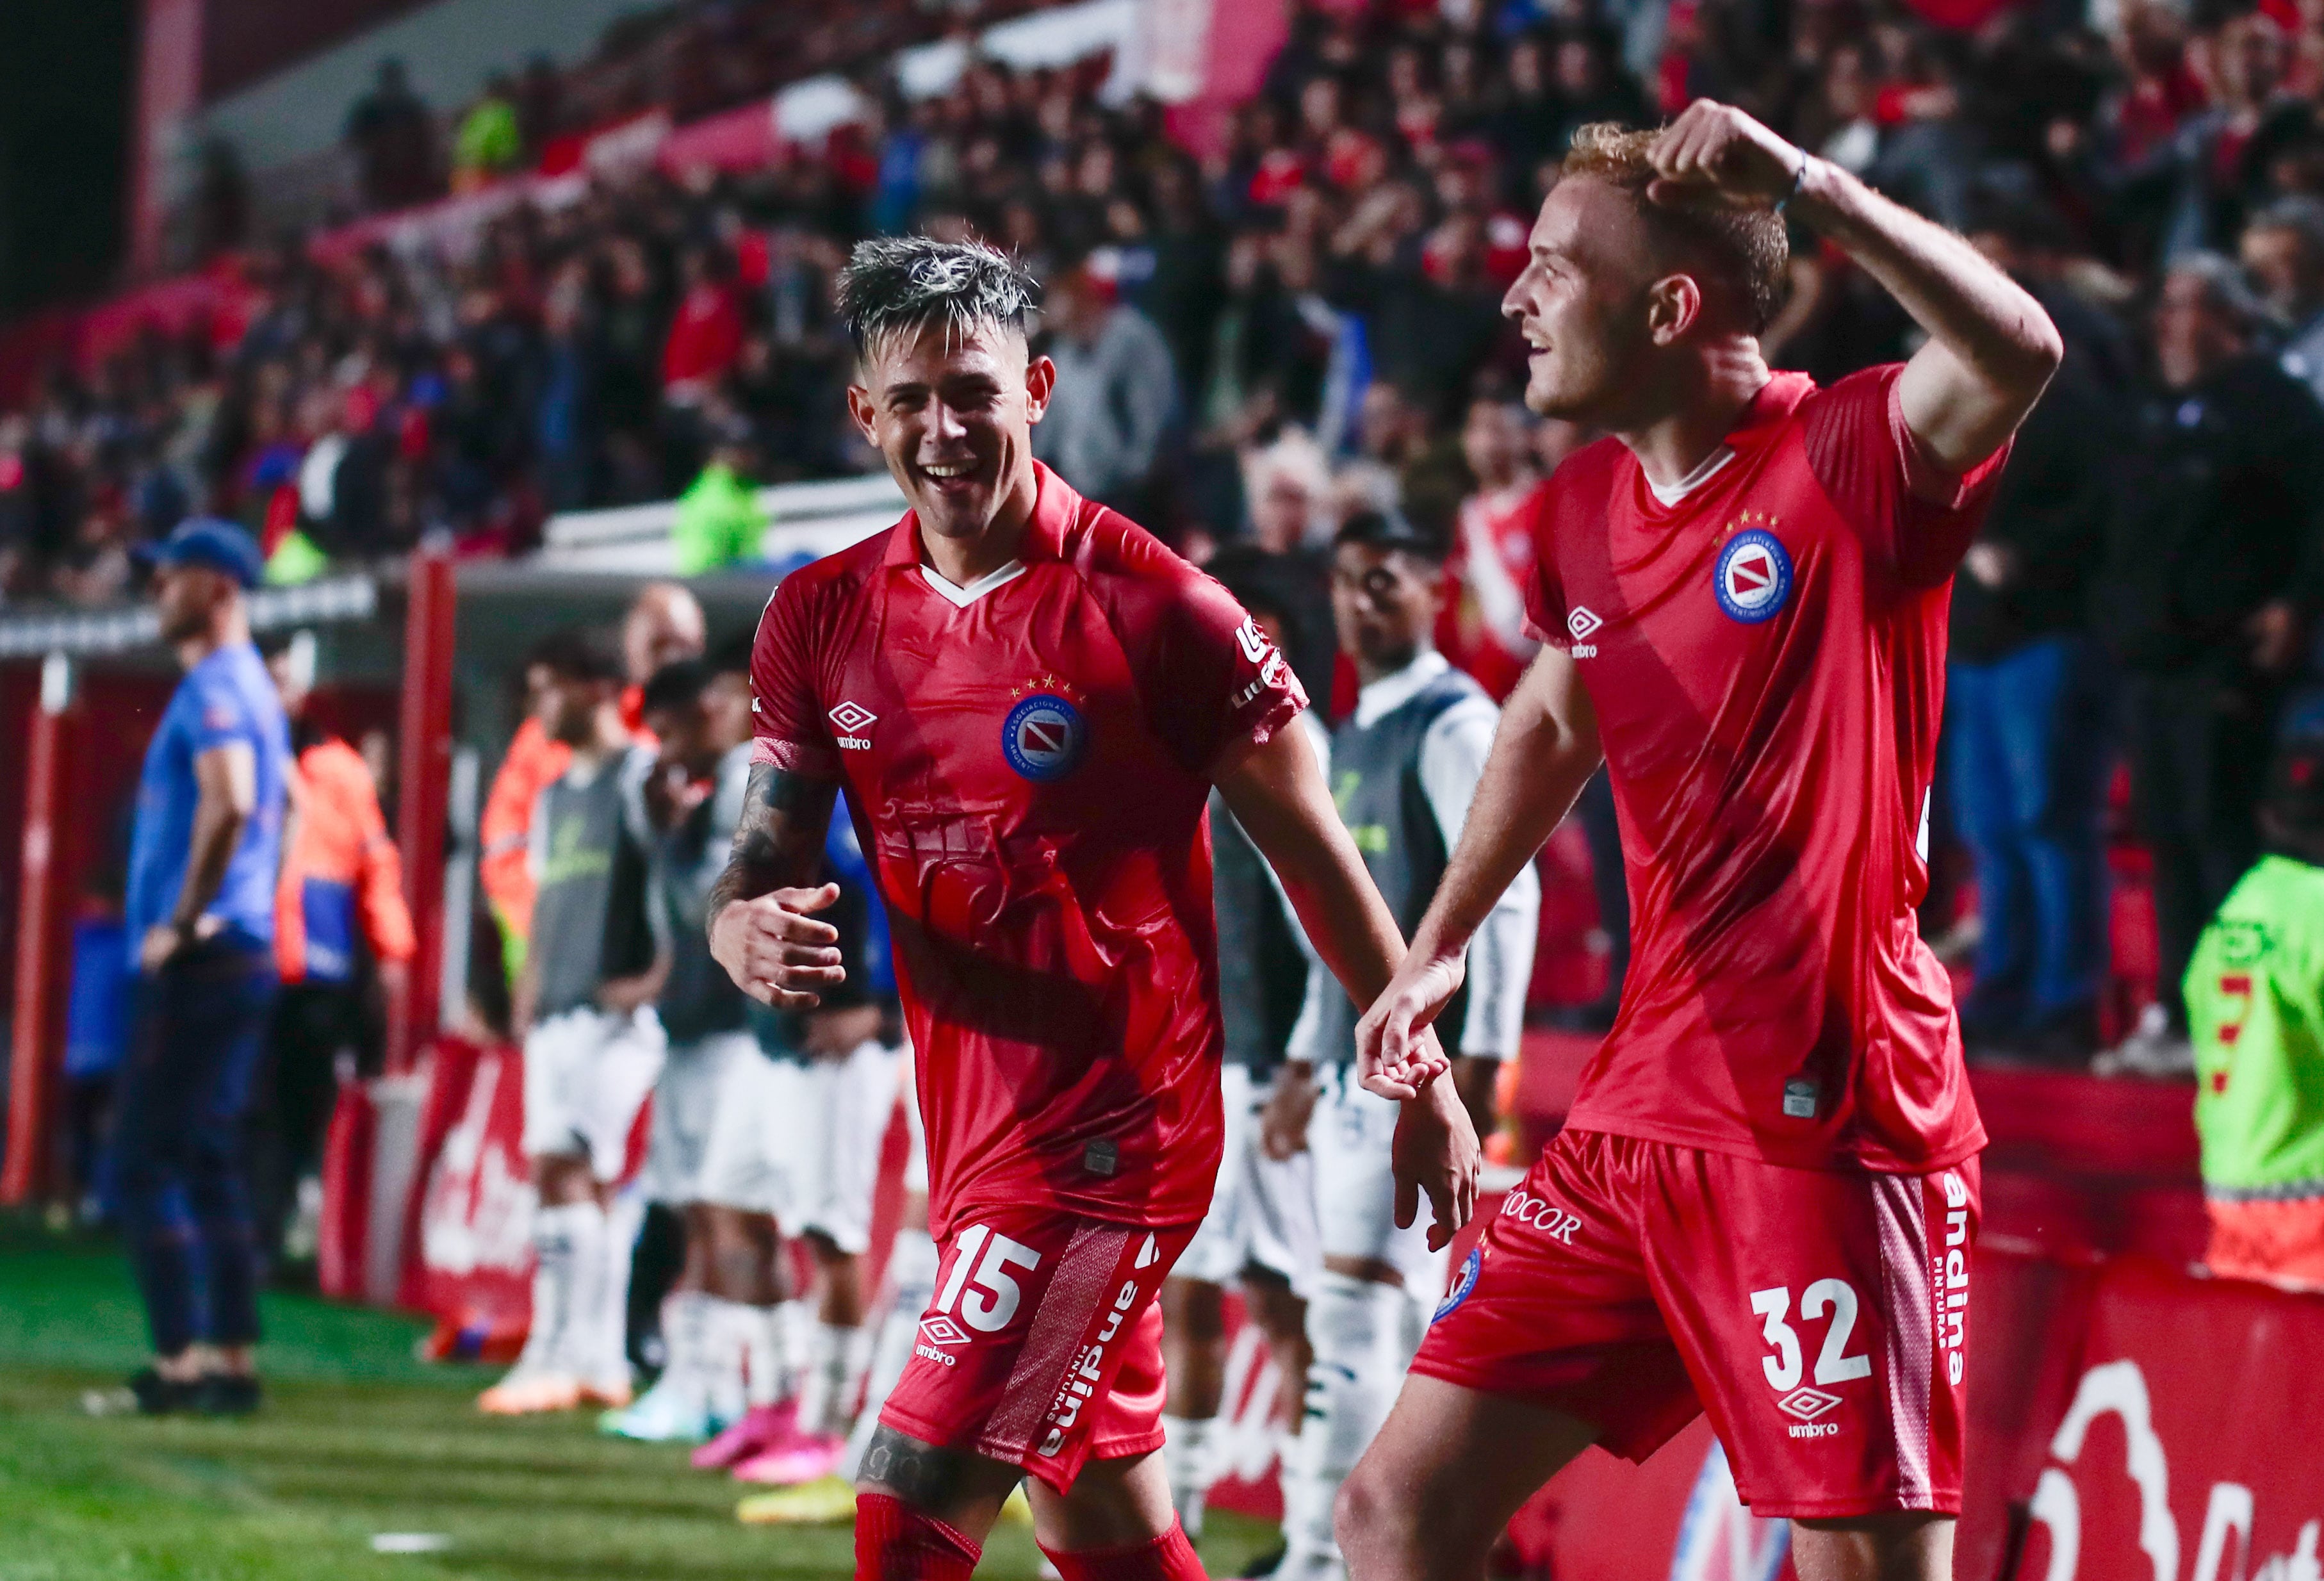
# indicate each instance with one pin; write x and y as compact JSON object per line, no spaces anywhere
{"x":1766,"y":657}
{"x":1028,"y":761}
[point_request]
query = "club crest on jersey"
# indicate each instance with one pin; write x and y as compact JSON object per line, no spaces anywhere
{"x":1753,"y":579}
{"x":1045,"y":734}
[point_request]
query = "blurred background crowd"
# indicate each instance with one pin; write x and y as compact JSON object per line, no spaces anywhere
{"x":1304,"y":320}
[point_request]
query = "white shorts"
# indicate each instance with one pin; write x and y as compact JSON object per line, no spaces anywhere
{"x":827,"y":1143}
{"x":710,"y":1105}
{"x":586,"y":1073}
{"x":1263,"y":1210}
{"x":742,"y":1166}
{"x":1350,"y":1137}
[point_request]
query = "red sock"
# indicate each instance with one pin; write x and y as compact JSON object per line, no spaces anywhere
{"x":1167,"y":1558}
{"x":895,"y":1542}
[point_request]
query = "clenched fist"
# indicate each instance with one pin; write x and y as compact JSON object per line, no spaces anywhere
{"x":1715,"y":156}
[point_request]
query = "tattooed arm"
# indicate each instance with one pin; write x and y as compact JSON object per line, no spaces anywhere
{"x":763,"y":928}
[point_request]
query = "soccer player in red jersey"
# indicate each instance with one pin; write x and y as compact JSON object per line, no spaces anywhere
{"x":1763,"y":1200}
{"x":1029,"y":700}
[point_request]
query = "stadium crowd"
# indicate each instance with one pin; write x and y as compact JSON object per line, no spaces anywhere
{"x":1257,"y":342}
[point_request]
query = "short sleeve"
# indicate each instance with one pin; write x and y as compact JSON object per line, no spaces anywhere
{"x":1916,"y":518}
{"x":221,"y":715}
{"x":789,"y":730}
{"x":1213,"y":682}
{"x":1545,"y":595}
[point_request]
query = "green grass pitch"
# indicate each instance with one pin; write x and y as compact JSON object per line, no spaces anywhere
{"x":357,"y":1439}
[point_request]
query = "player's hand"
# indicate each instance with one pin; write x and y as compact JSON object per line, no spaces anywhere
{"x":163,"y":940}
{"x":1714,"y":156}
{"x":1437,"y":1151}
{"x":1396,"y":1054}
{"x":1283,"y":1122}
{"x":775,"y":949}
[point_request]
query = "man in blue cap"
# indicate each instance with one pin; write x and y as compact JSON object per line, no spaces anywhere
{"x":203,"y":857}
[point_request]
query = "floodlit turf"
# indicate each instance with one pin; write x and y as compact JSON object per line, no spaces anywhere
{"x":357,"y":1439}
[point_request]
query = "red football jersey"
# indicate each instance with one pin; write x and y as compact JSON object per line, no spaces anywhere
{"x":1027,"y":761}
{"x":1766,"y":659}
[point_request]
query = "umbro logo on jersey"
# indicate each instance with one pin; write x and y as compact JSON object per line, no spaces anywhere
{"x":1580,"y":624}
{"x":854,"y":719}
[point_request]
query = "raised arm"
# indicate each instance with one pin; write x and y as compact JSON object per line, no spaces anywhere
{"x":1277,"y":792}
{"x":1546,"y":750}
{"x":762,"y":928}
{"x":1991,"y":349}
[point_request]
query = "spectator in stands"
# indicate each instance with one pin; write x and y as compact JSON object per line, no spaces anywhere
{"x":393,"y":139}
{"x":490,"y":143}
{"x":2212,"y":568}
{"x":201,"y":908}
{"x":2283,"y":249}
{"x":1483,"y":627}
{"x":720,"y":523}
{"x":706,"y":337}
{"x":2255,"y":998}
{"x":1117,"y":390}
{"x":340,"y":927}
{"x":2025,"y":737}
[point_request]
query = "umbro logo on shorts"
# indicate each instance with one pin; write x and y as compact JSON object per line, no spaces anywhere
{"x":942,"y":1330}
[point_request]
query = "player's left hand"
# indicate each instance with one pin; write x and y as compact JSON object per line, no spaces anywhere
{"x":1396,"y":1054}
{"x":1715,"y":156}
{"x":163,"y":940}
{"x":1437,"y":1151}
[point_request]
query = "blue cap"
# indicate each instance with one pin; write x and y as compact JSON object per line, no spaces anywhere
{"x":213,"y":544}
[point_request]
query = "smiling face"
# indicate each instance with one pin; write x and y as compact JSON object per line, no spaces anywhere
{"x":1584,"y":302}
{"x":953,"y":411}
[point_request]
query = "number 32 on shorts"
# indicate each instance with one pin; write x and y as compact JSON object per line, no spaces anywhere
{"x":1833,"y":1363}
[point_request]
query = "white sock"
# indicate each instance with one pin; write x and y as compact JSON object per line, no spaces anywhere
{"x":553,"y":1232}
{"x":1358,"y":1328}
{"x":795,"y":1321}
{"x":912,"y":1265}
{"x":742,"y":1364}
{"x":624,"y":1216}
{"x":1186,"y":1462}
{"x":579,"y":1340}
{"x":823,"y":1381}
{"x":686,"y":1372}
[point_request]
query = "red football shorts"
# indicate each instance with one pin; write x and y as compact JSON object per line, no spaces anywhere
{"x":1043,"y":1344}
{"x":1820,"y":1317}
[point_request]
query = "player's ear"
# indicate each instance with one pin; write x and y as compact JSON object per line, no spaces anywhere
{"x":860,"y":408}
{"x":1674,"y":306}
{"x":1040,"y":381}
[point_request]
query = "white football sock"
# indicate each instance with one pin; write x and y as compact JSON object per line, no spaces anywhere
{"x":912,"y":1266}
{"x":750,"y":1367}
{"x":1186,"y":1463}
{"x":794,"y":1320}
{"x":1358,"y":1329}
{"x":823,"y":1381}
{"x":685,"y":1323}
{"x":553,"y":1232}
{"x":624,"y":1216}
{"x":580,"y":1340}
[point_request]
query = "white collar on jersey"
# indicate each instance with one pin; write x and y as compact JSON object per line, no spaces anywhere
{"x":962,"y":597}
{"x":1390,"y":692}
{"x":1711,"y":467}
